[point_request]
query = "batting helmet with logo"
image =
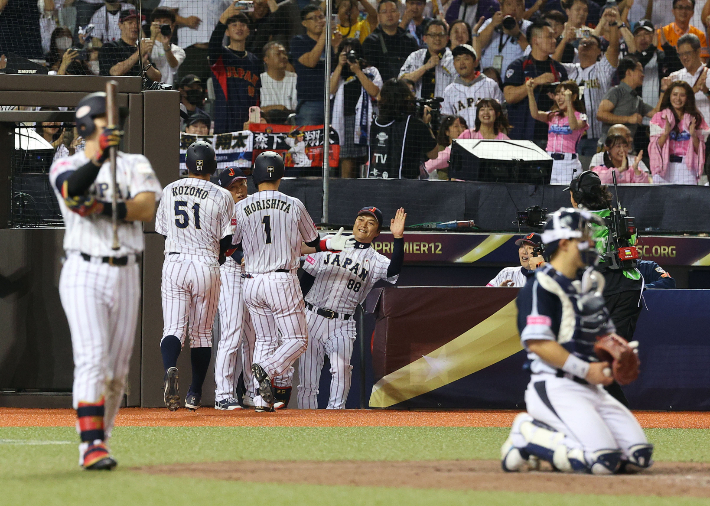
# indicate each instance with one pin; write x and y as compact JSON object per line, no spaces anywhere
{"x":200,"y":158}
{"x":268,"y":166}
{"x":87,"y":109}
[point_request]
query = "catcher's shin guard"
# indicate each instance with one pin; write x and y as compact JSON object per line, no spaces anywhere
{"x":639,"y":458}
{"x":548,"y":445}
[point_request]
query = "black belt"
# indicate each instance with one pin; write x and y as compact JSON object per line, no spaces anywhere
{"x":245,"y":275}
{"x":675,"y":159}
{"x":327,"y":313}
{"x":561,"y":156}
{"x":116,"y":261}
{"x":561,"y":374}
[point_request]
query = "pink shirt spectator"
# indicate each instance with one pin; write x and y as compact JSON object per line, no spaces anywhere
{"x":442,"y":160}
{"x":678,"y":146}
{"x":560,"y":137}
{"x":628,"y":176}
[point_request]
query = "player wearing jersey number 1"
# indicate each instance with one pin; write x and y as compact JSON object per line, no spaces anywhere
{"x":334,"y":284}
{"x":271,"y":228}
{"x":195,"y":216}
{"x":100,"y":287}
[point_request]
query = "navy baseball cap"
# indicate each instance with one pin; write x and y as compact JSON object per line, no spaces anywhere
{"x":372,"y":211}
{"x":532,"y":239}
{"x":229,"y":175}
{"x":189,"y":79}
{"x":197,"y":117}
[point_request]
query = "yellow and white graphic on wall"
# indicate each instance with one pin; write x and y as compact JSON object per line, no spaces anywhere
{"x":489,"y":342}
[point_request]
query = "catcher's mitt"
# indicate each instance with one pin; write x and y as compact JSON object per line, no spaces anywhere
{"x":623,"y":358}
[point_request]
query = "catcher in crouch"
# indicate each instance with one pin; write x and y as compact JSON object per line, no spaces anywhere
{"x":572,"y":422}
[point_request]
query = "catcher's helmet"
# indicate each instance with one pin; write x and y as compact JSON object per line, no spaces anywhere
{"x":87,"y":109}
{"x":569,"y":223}
{"x":268,"y":166}
{"x":200,"y":158}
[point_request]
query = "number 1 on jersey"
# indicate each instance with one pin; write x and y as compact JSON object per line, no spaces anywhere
{"x":182,"y":220}
{"x":267,"y":228}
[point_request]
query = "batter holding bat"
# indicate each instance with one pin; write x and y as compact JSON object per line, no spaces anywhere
{"x":334,"y":284}
{"x":100,"y":281}
{"x":573,"y":351}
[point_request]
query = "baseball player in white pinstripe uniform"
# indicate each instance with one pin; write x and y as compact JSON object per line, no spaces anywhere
{"x":335,"y":283}
{"x":271,"y":227}
{"x":461,"y":97}
{"x":529,"y":261}
{"x":195,"y":216}
{"x":100,"y":287}
{"x":234,"y":320}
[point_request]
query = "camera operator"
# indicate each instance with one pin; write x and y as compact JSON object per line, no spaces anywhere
{"x":623,"y":285}
{"x":431,"y":69}
{"x":530,"y":254}
{"x":503,"y":37}
{"x":399,"y":141}
{"x":167,"y":57}
{"x":354,"y":84}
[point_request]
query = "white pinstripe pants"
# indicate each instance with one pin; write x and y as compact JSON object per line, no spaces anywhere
{"x":275,"y":304}
{"x":336,"y":338}
{"x":564,"y":170}
{"x":190,"y":293}
{"x":101,"y":303}
{"x":236,"y":335}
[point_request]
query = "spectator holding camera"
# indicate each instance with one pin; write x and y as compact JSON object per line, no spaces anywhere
{"x":503,"y":38}
{"x":678,"y":135}
{"x":388,"y":46}
{"x":462,"y":96}
{"x":399,"y":141}
{"x":166,"y":56}
{"x":432,"y":69}
{"x":544,"y":73}
{"x":616,"y":159}
{"x":594,"y":73}
{"x":235,"y":71}
{"x":62,"y":57}
{"x":278,"y":85}
{"x":122,"y":57}
{"x":308,"y":58}
{"x":106,"y":20}
{"x":355,"y":86}
{"x":622,"y":104}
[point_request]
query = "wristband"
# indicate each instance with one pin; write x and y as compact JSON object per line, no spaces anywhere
{"x":120,"y":207}
{"x":576,"y":366}
{"x":323,"y":245}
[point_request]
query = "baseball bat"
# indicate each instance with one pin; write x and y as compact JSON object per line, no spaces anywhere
{"x":112,"y":118}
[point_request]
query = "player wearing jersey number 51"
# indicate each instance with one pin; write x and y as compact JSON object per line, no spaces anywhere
{"x":100,"y":287}
{"x":195,"y":216}
{"x":271,"y":227}
{"x":334,"y":284}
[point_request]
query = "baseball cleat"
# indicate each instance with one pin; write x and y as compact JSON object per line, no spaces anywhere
{"x":227,"y":404}
{"x":283,"y":396}
{"x":511,"y":458}
{"x":279,"y":405}
{"x":97,"y":458}
{"x":266,"y":390}
{"x":192,"y":401}
{"x":171,"y":392}
{"x":248,"y":402}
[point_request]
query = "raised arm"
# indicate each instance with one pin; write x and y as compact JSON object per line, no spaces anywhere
{"x":534,"y":112}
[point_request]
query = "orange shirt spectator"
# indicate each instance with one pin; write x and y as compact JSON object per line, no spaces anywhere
{"x":682,"y":12}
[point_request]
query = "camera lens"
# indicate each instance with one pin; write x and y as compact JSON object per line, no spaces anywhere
{"x":509,"y":22}
{"x":165,"y":30}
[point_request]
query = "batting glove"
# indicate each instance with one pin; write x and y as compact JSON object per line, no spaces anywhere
{"x":109,"y":138}
{"x":338,"y":242}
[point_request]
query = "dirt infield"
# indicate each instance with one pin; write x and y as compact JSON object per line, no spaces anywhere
{"x":209,"y":417}
{"x":664,"y":479}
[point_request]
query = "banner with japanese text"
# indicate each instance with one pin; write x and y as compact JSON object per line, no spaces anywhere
{"x":300,"y":146}
{"x":232,"y":149}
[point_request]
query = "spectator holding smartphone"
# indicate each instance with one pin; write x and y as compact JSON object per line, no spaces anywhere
{"x":121,"y":58}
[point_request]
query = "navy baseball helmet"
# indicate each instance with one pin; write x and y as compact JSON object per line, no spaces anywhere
{"x":229,"y":175}
{"x":374,"y":212}
{"x":201,"y":159}
{"x":570,"y":223}
{"x":87,"y":109}
{"x":268,"y":166}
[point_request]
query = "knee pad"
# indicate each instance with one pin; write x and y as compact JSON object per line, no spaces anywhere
{"x":639,"y":457}
{"x":605,"y":461}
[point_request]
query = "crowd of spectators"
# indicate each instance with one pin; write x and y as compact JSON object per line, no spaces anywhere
{"x":617,"y":87}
